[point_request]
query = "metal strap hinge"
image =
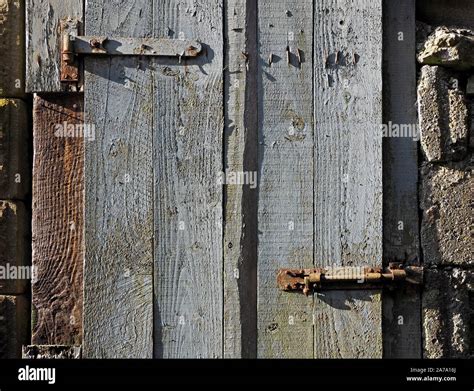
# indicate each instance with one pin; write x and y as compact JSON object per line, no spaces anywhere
{"x":347,"y":278}
{"x":74,"y":46}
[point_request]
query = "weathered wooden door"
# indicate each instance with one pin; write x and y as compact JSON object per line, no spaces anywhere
{"x":182,"y":248}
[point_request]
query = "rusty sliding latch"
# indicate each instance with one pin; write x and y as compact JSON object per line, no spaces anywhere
{"x":347,"y":278}
{"x":74,"y":46}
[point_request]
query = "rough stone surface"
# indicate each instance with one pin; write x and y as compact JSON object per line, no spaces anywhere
{"x":443,"y":115}
{"x":14,"y":156}
{"x":13,"y":248}
{"x":447,"y":313}
{"x":450,"y":48}
{"x":447,"y":203}
{"x":14,"y":324}
{"x":51,"y":352}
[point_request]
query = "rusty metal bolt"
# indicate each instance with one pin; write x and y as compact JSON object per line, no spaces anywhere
{"x":95,"y":43}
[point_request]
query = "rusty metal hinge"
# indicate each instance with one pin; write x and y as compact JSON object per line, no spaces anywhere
{"x":347,"y":278}
{"x":74,"y":46}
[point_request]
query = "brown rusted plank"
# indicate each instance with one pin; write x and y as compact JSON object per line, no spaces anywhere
{"x":14,"y":317}
{"x":58,"y":185}
{"x":12,"y":47}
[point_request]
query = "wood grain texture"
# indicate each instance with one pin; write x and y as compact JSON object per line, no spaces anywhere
{"x":118,"y":273}
{"x":12,"y":46}
{"x":51,"y":352}
{"x":240,"y":229}
{"x":57,"y":221}
{"x":15,"y":173}
{"x":401,"y":315}
{"x":348,"y":170}
{"x":43,"y":19}
{"x":187,"y":141}
{"x":285,"y":215}
{"x":14,"y":254}
{"x":14,"y":321}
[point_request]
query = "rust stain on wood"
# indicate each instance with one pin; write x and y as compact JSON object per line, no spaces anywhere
{"x":58,"y":253}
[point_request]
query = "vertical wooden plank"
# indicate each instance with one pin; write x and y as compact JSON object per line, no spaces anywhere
{"x":348,"y":170}
{"x":285,"y":215}
{"x":57,"y":223}
{"x":13,"y":326}
{"x":12,"y":47}
{"x":240,"y":229}
{"x":14,"y":150}
{"x":43,"y":19}
{"x":188,"y":139}
{"x":402,"y":308}
{"x":118,"y":274}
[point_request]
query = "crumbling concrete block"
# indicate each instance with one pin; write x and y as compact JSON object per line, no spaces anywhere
{"x":449,"y":48}
{"x":443,"y":115}
{"x":446,"y":201}
{"x":447,"y":313}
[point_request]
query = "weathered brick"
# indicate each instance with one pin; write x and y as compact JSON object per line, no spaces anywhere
{"x":447,"y":313}
{"x":449,"y":48}
{"x":12,"y":47}
{"x":446,"y":201}
{"x":14,"y":325}
{"x":14,"y":150}
{"x":42,"y":352}
{"x":13,"y":248}
{"x":443,"y":115}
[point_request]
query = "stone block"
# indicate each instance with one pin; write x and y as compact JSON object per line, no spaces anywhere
{"x":443,"y":115}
